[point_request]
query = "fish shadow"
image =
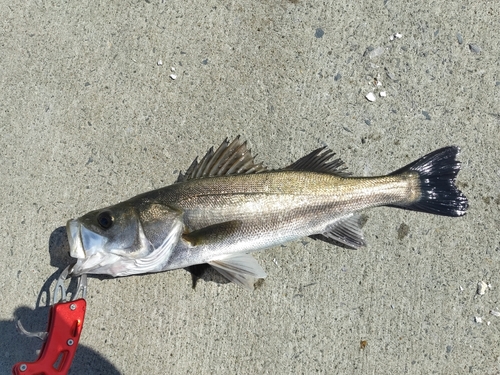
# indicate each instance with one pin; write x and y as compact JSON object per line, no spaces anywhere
{"x":206,"y":273}
{"x":59,"y":248}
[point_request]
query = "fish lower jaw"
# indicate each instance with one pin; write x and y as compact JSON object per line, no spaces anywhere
{"x":101,"y":264}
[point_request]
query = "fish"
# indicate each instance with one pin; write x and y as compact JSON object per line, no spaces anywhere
{"x":226,"y":206}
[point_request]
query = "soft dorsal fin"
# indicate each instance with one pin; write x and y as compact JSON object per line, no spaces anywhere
{"x":320,"y":161}
{"x":229,"y":159}
{"x":346,"y":231}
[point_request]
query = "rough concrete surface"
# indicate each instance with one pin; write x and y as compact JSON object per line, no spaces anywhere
{"x":89,"y":116}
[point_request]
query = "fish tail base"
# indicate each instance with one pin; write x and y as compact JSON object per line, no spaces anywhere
{"x":437,"y":173}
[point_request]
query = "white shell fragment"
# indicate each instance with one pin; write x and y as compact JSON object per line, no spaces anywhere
{"x":172,"y":69}
{"x":173,"y":76}
{"x":383,"y":94}
{"x":495,"y":313}
{"x":394,"y":36}
{"x":159,"y":63}
{"x":371,"y":97}
{"x":481,"y":288}
{"x":478,"y":319}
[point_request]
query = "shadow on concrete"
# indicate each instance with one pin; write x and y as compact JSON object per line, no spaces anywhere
{"x":59,"y":248}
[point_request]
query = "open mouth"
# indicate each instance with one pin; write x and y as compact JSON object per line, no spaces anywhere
{"x":75,"y":242}
{"x":87,"y":247}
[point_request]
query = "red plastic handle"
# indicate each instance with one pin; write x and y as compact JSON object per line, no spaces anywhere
{"x":65,"y":327}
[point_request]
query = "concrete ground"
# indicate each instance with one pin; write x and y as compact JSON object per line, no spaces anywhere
{"x":90,"y":114}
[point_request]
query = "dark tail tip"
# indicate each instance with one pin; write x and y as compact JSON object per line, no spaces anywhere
{"x":439,"y":194}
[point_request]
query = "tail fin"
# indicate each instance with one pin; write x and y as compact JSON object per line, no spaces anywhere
{"x":439,"y":195}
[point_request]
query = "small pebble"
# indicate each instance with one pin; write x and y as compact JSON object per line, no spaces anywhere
{"x":173,"y":76}
{"x":495,"y":313}
{"x":474,"y":48}
{"x":481,"y":288}
{"x":383,"y":94}
{"x":478,"y":319}
{"x":397,"y":35}
{"x":159,"y":63}
{"x":371,"y":97}
{"x":459,"y":38}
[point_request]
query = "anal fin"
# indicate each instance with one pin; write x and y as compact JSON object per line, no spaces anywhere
{"x":346,"y":231}
{"x":241,"y":269}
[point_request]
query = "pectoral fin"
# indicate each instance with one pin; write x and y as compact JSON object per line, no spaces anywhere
{"x":212,"y":233}
{"x":346,"y":231}
{"x":241,"y":269}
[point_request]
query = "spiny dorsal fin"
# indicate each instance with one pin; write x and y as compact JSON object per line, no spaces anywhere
{"x":229,"y":159}
{"x":320,"y":161}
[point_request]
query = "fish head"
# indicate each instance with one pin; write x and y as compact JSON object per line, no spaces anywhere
{"x":124,"y":239}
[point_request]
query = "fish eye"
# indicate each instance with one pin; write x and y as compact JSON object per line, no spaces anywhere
{"x":105,"y":220}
